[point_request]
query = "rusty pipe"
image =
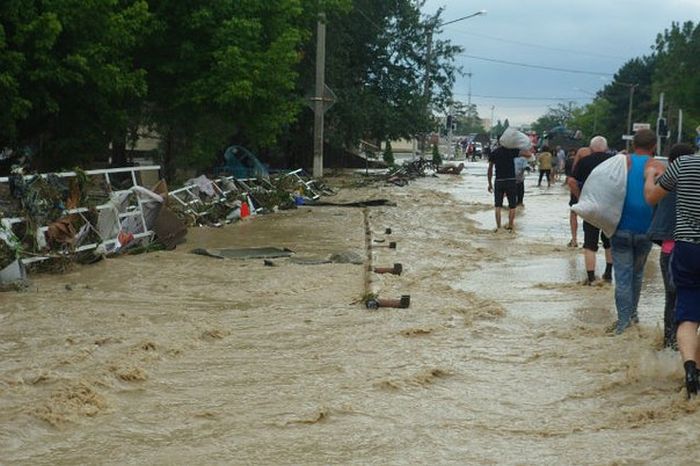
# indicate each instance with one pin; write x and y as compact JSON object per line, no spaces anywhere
{"x":395,"y":270}
{"x":401,"y":303}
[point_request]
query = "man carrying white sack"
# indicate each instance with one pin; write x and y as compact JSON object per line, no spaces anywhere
{"x":513,"y":144}
{"x":592,"y":236}
{"x":630,"y":243}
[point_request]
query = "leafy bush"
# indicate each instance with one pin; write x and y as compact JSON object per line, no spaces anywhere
{"x":388,"y":155}
{"x":437,"y":158}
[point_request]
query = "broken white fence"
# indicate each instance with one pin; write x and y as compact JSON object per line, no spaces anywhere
{"x":126,"y":211}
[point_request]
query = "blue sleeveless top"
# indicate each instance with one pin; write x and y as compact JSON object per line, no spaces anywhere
{"x":636,"y":213}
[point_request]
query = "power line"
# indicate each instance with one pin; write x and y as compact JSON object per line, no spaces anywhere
{"x":523,"y":97}
{"x":381,"y":29}
{"x":529,"y":44}
{"x":541,"y":67}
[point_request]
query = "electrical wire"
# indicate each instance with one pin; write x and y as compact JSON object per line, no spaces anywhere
{"x":523,"y":97}
{"x":529,"y":44}
{"x":541,"y":67}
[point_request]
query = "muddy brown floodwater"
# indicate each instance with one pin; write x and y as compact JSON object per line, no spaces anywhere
{"x":502,"y":358}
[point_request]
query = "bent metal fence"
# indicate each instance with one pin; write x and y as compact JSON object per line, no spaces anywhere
{"x":116,"y":204}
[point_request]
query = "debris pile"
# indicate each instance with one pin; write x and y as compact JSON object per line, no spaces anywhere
{"x":215,"y":202}
{"x":50,"y":220}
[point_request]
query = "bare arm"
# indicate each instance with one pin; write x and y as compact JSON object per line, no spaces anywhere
{"x":653,"y":192}
{"x":573,"y":186}
{"x":489,"y":175}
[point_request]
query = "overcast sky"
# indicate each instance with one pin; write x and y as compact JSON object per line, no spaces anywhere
{"x":587,"y":35}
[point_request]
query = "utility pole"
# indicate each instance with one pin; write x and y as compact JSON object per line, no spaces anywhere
{"x":426,"y":82}
{"x":318,"y":99}
{"x":659,"y":142}
{"x":680,"y":126}
{"x":629,"y":113}
{"x":469,"y":95}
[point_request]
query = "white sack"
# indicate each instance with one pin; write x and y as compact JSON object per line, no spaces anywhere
{"x":603,"y":195}
{"x":514,"y":139}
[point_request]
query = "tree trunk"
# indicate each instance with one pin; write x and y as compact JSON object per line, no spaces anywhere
{"x":169,"y":156}
{"x":119,"y":149}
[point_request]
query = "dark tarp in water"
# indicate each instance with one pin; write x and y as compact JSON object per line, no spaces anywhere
{"x":244,"y":253}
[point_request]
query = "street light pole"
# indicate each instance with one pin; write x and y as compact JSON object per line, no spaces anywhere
{"x":433,"y":23}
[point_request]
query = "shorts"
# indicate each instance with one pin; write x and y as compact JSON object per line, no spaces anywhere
{"x":507,"y":188}
{"x":572,"y":200}
{"x":685,"y":270}
{"x":591,"y":237}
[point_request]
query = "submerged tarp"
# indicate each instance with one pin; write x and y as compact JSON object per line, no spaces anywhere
{"x":244,"y":253}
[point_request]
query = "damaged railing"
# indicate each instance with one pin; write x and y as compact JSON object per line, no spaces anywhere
{"x":213,"y":202}
{"x":123,"y":214}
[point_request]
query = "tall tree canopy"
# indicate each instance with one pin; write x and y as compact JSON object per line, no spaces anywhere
{"x":67,"y":71}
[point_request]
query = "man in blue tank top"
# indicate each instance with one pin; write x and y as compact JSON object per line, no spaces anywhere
{"x":630,"y":244}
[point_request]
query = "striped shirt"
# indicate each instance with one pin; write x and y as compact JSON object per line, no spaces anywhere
{"x":683,"y":177}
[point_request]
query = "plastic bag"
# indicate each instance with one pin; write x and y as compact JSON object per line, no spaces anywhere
{"x":603,"y":195}
{"x":514,"y":139}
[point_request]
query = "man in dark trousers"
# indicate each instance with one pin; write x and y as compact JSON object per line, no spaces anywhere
{"x":503,"y":159}
{"x":592,"y":235}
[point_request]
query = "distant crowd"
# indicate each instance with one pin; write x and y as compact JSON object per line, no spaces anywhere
{"x":651,"y":201}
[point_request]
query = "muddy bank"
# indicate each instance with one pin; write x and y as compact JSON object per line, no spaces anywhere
{"x":502,"y":357}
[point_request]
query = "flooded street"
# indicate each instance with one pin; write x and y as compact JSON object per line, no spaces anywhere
{"x":502,"y":357}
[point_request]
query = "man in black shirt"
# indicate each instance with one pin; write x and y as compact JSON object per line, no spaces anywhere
{"x":569,"y":172}
{"x":592,"y":235}
{"x":504,"y":161}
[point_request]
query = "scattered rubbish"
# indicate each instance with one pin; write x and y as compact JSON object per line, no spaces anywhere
{"x":387,"y":231}
{"x":347,"y":257}
{"x":59,"y":218}
{"x":242,"y":163}
{"x":391,"y":245}
{"x":309,"y":261}
{"x":169,"y":229}
{"x":402,"y":174}
{"x":269,"y":263}
{"x":402,"y":303}
{"x":450,"y":169}
{"x":214,"y":202}
{"x":368,"y":203}
{"x":13,"y":274}
{"x":245,"y":253}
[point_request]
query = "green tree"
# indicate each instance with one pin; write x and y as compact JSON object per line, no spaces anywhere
{"x":467,"y":118}
{"x":375,"y":63}
{"x":588,"y":118}
{"x":677,"y":61}
{"x":67,"y":74}
{"x":637,"y":72}
{"x":388,"y":155}
{"x":559,"y":115}
{"x":221,"y":71}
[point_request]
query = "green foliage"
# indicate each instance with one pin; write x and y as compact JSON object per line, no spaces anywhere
{"x":222,"y":71}
{"x":375,"y":63}
{"x":677,"y":61}
{"x":560,"y":115}
{"x":437,"y":158}
{"x":588,"y":118}
{"x":467,"y":119}
{"x":68,"y":74}
{"x":388,"y":154}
